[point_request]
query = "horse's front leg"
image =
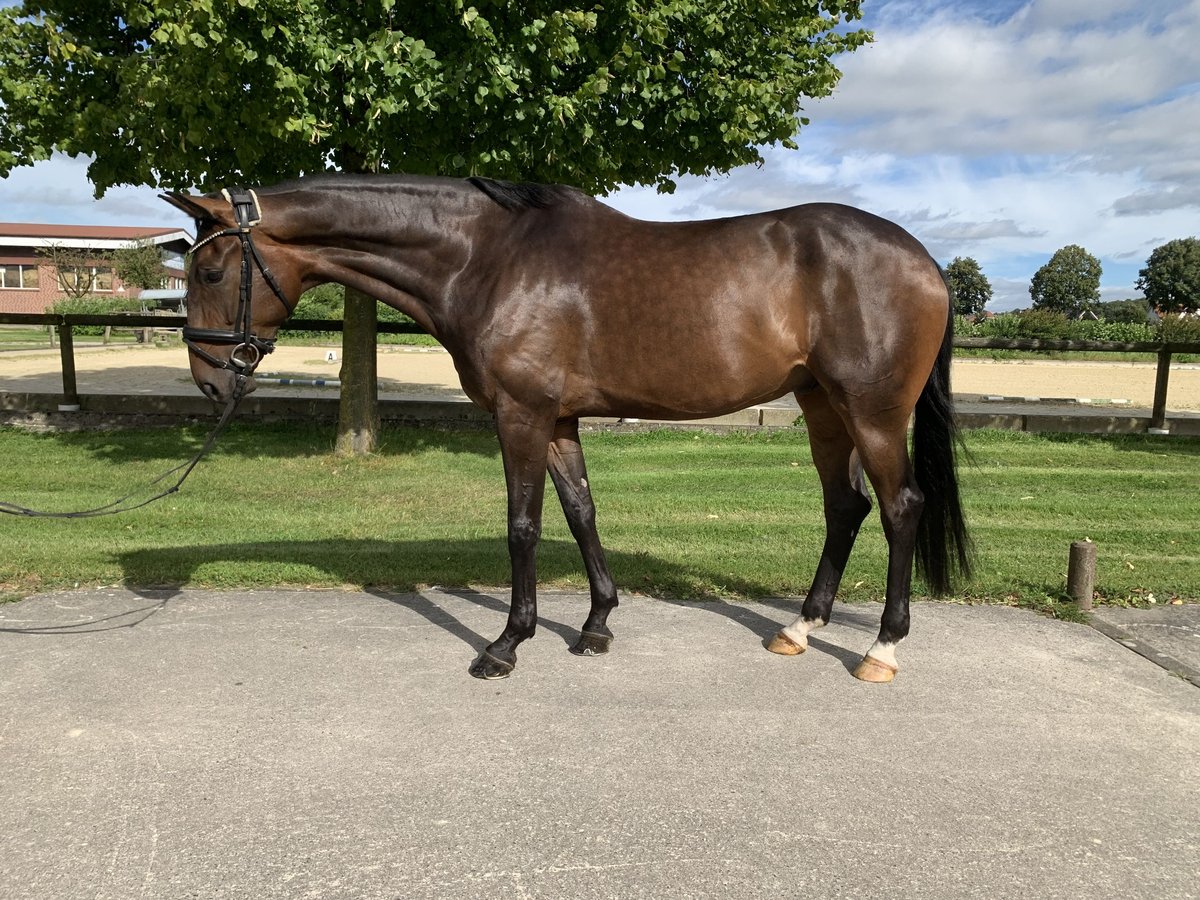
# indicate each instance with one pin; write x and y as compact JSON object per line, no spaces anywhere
{"x":570,"y":479}
{"x":524,"y":439}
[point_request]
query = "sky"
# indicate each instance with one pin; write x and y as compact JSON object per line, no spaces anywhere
{"x":996,"y":130}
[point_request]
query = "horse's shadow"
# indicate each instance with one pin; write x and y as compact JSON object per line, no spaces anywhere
{"x":393,"y":563}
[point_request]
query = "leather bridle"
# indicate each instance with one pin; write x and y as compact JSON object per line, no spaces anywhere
{"x":249,"y":348}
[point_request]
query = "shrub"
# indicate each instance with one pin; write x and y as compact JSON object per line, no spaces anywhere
{"x":1043,"y":324}
{"x":1125,"y":332}
{"x":1180,"y":329}
{"x":325,"y":301}
{"x":91,"y":305}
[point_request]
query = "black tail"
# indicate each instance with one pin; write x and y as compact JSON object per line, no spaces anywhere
{"x":943,"y":546}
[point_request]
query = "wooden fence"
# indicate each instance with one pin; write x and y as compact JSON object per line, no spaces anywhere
{"x":65,"y":325}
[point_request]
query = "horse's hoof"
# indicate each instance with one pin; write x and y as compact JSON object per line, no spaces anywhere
{"x":592,"y":644}
{"x":490,"y":668}
{"x":784,"y":645}
{"x":874,"y":671}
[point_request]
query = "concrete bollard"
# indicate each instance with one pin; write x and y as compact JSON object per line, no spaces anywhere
{"x":1081,"y":573}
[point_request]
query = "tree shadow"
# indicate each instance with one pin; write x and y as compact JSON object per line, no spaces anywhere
{"x":1130,"y":443}
{"x":258,"y":439}
{"x":399,"y":565}
{"x":144,"y":380}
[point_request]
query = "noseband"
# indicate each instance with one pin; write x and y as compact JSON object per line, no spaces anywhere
{"x":249,"y":348}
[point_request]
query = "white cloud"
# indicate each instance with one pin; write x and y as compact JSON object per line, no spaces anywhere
{"x":57,"y":191}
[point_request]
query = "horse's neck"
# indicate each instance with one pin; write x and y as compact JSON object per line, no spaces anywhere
{"x":403,"y":246}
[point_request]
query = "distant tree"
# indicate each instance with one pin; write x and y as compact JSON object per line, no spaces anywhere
{"x":972,"y":290}
{"x":140,"y":265}
{"x":1134,"y":311}
{"x":1171,"y":279}
{"x":1068,"y":283}
{"x":79,"y":270}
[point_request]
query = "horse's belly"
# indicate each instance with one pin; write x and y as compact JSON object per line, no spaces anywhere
{"x":669,"y":387}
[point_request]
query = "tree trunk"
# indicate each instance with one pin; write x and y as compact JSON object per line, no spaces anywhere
{"x":358,"y":411}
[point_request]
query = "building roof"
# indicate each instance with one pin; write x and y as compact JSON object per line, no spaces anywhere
{"x":92,"y":237}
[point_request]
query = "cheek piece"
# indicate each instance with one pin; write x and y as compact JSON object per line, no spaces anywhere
{"x":249,"y":348}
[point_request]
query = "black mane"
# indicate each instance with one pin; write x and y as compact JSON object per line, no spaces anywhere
{"x":513,"y":196}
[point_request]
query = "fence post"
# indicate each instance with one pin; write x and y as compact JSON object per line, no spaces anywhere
{"x":1081,"y":573}
{"x":66,"y":343}
{"x":1158,"y":416}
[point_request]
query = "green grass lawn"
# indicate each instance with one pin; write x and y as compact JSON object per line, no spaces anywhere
{"x":681,"y":514}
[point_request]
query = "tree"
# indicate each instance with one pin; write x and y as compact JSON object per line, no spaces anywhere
{"x":1171,"y":278}
{"x":972,"y":291}
{"x":79,"y":270}
{"x":1136,"y":312}
{"x":1068,"y":283}
{"x":207,"y":93}
{"x":140,"y":265}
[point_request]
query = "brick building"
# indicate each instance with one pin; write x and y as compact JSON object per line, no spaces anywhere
{"x":29,"y":282}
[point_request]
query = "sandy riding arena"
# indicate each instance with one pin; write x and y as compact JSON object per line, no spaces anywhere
{"x":427,"y":372}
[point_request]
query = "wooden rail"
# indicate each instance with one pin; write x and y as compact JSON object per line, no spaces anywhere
{"x":65,"y":324}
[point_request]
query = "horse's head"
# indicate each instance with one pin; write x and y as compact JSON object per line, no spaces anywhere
{"x":241,"y":289}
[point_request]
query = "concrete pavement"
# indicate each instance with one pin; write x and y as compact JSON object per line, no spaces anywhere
{"x":330,"y":744}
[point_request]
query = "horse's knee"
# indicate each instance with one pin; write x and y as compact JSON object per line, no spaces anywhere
{"x":523,"y":535}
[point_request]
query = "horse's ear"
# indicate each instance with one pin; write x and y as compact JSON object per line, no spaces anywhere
{"x":187,"y":204}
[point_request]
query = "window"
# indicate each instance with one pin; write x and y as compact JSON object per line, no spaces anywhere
{"x":68,"y":279}
{"x":86,"y":279}
{"x":19,"y":277}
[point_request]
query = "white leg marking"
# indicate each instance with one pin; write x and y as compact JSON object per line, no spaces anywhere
{"x":799,"y":630}
{"x":885,"y":653}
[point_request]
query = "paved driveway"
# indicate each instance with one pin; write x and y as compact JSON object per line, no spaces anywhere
{"x":330,"y":744}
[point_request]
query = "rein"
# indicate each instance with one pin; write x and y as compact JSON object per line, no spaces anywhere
{"x":248,"y":214}
{"x":123,"y":504}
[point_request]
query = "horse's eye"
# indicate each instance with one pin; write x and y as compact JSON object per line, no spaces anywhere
{"x":211,"y":276}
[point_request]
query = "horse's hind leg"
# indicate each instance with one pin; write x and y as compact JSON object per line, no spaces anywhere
{"x":846,"y":505}
{"x":569,"y":474}
{"x":884,"y":451}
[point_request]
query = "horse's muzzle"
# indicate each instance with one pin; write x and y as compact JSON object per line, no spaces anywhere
{"x":218,"y":385}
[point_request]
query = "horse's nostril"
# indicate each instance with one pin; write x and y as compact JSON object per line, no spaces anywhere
{"x":210,"y":390}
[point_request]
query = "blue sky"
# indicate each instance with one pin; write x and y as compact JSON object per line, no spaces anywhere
{"x":1001,"y":131}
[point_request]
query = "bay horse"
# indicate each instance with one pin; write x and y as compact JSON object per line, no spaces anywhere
{"x":554,"y":306}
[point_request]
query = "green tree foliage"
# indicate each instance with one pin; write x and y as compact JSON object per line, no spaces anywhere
{"x":1069,"y":283}
{"x":326,"y":301}
{"x":1135,"y":312}
{"x":181,"y":93}
{"x":1171,"y":278}
{"x":971,"y":288}
{"x":140,"y":265}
